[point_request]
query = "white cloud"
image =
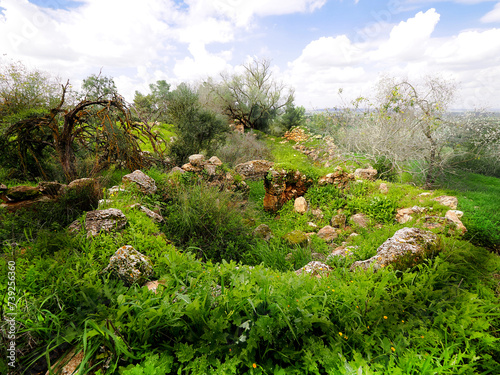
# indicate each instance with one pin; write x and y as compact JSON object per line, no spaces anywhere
{"x":472,"y":58}
{"x":493,"y":15}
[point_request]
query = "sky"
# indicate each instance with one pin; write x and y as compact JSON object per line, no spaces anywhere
{"x":315,"y":46}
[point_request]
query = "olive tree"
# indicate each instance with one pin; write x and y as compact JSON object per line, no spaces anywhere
{"x":254,"y":97}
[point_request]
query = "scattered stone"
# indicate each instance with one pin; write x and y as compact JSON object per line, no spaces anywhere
{"x":314,"y":268}
{"x":447,"y":200}
{"x":101,"y":220}
{"x":312,"y":225}
{"x":452,"y":216}
{"x":22,"y":193}
{"x":3,"y":188}
{"x":145,"y":183}
{"x":426,"y":194}
{"x":263,"y":231}
{"x":318,"y":214}
{"x":366,"y":174}
{"x":254,"y":169}
{"x":338,"y":178}
{"x":149,"y":213}
{"x":197,"y":160}
{"x":130,"y":266}
{"x":360,"y":220}
{"x":153,"y":285}
{"x":215,"y":161}
{"x":300,"y":205}
{"x":67,"y":364}
{"x":327,"y":233}
{"x":115,"y":190}
{"x":383,"y":188}
{"x":403,"y":215}
{"x":341,"y":252}
{"x":410,"y":243}
{"x":177,"y":169}
{"x":296,"y":237}
{"x":211,"y":169}
{"x":338,"y":221}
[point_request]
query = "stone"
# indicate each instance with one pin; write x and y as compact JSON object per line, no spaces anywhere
{"x":327,"y":233}
{"x":360,"y":220}
{"x":317,"y":213}
{"x":50,"y":188}
{"x":153,"y":285}
{"x":447,"y":200}
{"x":3,"y":188}
{"x":338,"y":221}
{"x":22,"y":193}
{"x":366,"y":173}
{"x":300,"y":205}
{"x":403,"y":215}
{"x":197,"y":160}
{"x":412,"y":244}
{"x":312,"y":225}
{"x":67,"y":364}
{"x":314,"y":268}
{"x":149,"y":213}
{"x":341,"y":252}
{"x":281,"y":186}
{"x":101,"y":220}
{"x":383,"y":188}
{"x":145,"y":183}
{"x":82,"y":183}
{"x":263,"y":231}
{"x":215,"y":161}
{"x":458,"y":213}
{"x":452,"y":216}
{"x":130,"y":266}
{"x":296,"y":237}
{"x":254,"y":169}
{"x":177,"y":169}
{"x":339,"y":178}
{"x":211,"y":169}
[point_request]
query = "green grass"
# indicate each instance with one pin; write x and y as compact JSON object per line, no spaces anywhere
{"x":479,"y":199}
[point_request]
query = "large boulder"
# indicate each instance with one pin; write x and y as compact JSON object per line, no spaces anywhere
{"x":281,"y":186}
{"x":254,"y":169}
{"x":130,"y":266}
{"x":145,"y":183}
{"x":111,"y":219}
{"x":407,"y":247}
{"x":22,"y":193}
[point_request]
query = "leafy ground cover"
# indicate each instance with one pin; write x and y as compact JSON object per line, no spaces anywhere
{"x":253,"y":314}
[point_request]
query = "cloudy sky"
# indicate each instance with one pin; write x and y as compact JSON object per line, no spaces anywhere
{"x":316,"y":46}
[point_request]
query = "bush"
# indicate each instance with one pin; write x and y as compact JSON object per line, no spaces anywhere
{"x":240,"y":148}
{"x":206,"y":219}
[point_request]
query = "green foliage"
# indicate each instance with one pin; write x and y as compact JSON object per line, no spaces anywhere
{"x":293,"y":116}
{"x":208,"y":220}
{"x":197,"y":129}
{"x":153,"y":106}
{"x":97,"y":87}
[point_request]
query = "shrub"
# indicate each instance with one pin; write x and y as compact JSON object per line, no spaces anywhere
{"x":206,"y":219}
{"x":240,"y":148}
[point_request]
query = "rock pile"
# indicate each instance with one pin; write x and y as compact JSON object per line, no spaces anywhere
{"x":281,"y":186}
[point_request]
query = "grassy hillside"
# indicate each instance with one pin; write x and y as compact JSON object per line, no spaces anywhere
{"x":229,"y":303}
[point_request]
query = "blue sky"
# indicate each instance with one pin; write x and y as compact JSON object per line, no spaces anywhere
{"x":315,"y":46}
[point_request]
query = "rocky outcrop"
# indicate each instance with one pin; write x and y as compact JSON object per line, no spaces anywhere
{"x":22,"y":193}
{"x":407,"y":247}
{"x":108,"y":220}
{"x":145,"y":183}
{"x":130,"y":266}
{"x":281,"y":186}
{"x":254,"y":169}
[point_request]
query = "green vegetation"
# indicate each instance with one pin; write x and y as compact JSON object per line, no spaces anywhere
{"x":228,"y":301}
